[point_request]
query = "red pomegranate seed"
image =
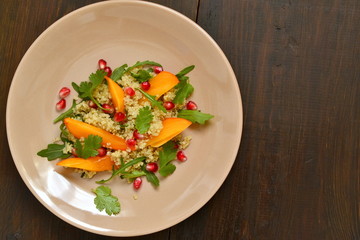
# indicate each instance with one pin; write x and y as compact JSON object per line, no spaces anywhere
{"x":152,"y":167}
{"x":157,"y":69}
{"x":145,"y":86}
{"x":131,"y":143}
{"x":119,"y":117}
{"x":168,"y":105}
{"x":129,"y":91}
{"x":108,"y":71}
{"x":138,"y":135}
{"x":73,"y":152}
{"x":191,"y":105}
{"x":61,"y":105}
{"x":176,"y":146}
{"x":102,"y":152}
{"x":137,"y":183}
{"x":109,"y":108}
{"x":181,"y":156}
{"x":92,"y":104}
{"x":64,"y":92}
{"x":102,"y":64}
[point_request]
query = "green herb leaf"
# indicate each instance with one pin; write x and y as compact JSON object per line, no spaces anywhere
{"x":167,"y":154}
{"x":121,"y":170}
{"x":167,"y":170}
{"x":89,"y":148}
{"x":133,"y":174}
{"x":152,"y":100}
{"x":54,"y":151}
{"x":184,"y":90}
{"x":143,"y":120}
{"x":152,"y":178}
{"x":185,"y":71}
{"x":138,"y":64}
{"x":67,"y":113}
{"x":105,"y":201}
{"x":141,"y":76}
{"x":195,"y":116}
{"x":118,"y":72}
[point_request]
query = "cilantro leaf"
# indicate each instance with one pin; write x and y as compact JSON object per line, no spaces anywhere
{"x":86,"y":89}
{"x":54,"y":151}
{"x":184,"y":90}
{"x":152,"y":100}
{"x":185,"y":71}
{"x":167,"y":154}
{"x":121,"y":170}
{"x":105,"y":201}
{"x":89,"y":148}
{"x":67,"y":113}
{"x":195,"y":116}
{"x":138,"y":64}
{"x":118,"y":72}
{"x":143,"y":120}
{"x":167,"y":170}
{"x":141,"y":76}
{"x":152,"y":178}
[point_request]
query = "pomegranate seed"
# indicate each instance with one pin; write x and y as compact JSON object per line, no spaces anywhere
{"x":92,"y":104}
{"x":109,"y":108}
{"x":108,"y":71}
{"x":61,"y":105}
{"x":131,"y":143}
{"x":129,"y":91}
{"x":191,"y":105}
{"x":73,"y":152}
{"x":145,"y":86}
{"x":176,"y":146}
{"x":168,"y":105}
{"x":157,"y":69}
{"x":119,"y":117}
{"x":64,"y":92}
{"x":102,"y":152}
{"x":152,"y":167}
{"x":137,"y":183}
{"x":181,"y":156}
{"x":138,"y":135}
{"x":102,"y":64}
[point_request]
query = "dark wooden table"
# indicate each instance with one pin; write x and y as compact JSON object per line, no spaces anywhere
{"x":297,"y":173}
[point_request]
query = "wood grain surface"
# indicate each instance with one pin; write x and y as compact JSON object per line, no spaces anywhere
{"x":297,"y":172}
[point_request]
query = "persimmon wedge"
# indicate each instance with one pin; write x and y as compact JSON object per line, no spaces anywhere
{"x":95,"y":164}
{"x":162,"y":83}
{"x":171,"y":128}
{"x":82,"y":130}
{"x":117,"y":95}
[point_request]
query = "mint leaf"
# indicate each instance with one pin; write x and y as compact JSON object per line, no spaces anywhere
{"x":143,"y":120}
{"x":185,"y":71}
{"x":152,"y":178}
{"x":105,"y":201}
{"x":54,"y":151}
{"x":67,"y":113}
{"x":167,"y":154}
{"x":89,"y":148}
{"x":141,"y":76}
{"x":184,"y":90}
{"x":138,"y":64}
{"x":118,"y":72}
{"x":195,"y":116}
{"x":152,"y":100}
{"x":167,"y":170}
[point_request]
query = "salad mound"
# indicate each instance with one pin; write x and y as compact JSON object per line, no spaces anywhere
{"x":129,"y":122}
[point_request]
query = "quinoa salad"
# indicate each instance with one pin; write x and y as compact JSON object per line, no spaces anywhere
{"x":128,"y":122}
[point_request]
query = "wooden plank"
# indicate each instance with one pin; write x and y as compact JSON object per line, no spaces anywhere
{"x":297,"y":171}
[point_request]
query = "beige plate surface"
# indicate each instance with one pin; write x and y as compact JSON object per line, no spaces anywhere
{"x":123,"y":32}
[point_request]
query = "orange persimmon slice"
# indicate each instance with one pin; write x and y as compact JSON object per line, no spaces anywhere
{"x":162,"y":83}
{"x":82,"y":130}
{"x":95,"y":164}
{"x":171,"y":128}
{"x":117,"y":95}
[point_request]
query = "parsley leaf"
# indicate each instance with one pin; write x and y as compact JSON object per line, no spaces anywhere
{"x":141,"y":76}
{"x":67,"y":113}
{"x":89,"y":148}
{"x":152,"y":100}
{"x":195,"y":116}
{"x":185,"y":71}
{"x":54,"y":151}
{"x":143,"y":120}
{"x":85,"y":90}
{"x":166,"y":155}
{"x":105,"y":201}
{"x":167,"y":170}
{"x":118,"y":72}
{"x":138,"y":64}
{"x":184,"y":90}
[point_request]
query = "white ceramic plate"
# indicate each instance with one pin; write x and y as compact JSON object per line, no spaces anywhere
{"x":123,"y":32}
